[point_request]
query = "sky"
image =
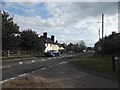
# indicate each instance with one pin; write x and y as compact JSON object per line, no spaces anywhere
{"x":67,"y":21}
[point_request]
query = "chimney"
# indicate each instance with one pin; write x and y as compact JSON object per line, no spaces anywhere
{"x":45,"y":35}
{"x":52,"y":38}
{"x":56,"y":41}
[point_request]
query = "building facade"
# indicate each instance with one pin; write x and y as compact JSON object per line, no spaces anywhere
{"x":50,"y":44}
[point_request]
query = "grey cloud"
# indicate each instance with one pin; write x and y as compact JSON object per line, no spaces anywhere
{"x":73,"y":12}
{"x":95,"y":8}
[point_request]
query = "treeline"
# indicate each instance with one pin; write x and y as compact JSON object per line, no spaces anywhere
{"x":77,"y":47}
{"x":111,"y":44}
{"x":14,"y":39}
{"x":28,"y":40}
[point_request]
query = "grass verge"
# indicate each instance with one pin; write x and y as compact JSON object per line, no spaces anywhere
{"x":95,"y":64}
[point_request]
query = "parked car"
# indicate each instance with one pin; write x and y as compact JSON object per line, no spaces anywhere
{"x":53,"y":53}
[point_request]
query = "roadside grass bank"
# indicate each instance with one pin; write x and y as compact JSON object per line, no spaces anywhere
{"x":96,"y":65}
{"x":28,"y":81}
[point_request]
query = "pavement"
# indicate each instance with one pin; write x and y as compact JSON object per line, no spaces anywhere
{"x":57,"y":71}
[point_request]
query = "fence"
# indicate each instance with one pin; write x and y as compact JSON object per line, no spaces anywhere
{"x":19,"y":53}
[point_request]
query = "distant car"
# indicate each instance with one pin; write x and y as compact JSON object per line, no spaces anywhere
{"x":53,"y":53}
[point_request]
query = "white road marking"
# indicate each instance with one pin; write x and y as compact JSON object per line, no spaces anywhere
{"x":31,"y":71}
{"x":5,"y":67}
{"x":35,"y":71}
{"x":49,"y":58}
{"x":20,"y":62}
{"x":43,"y":68}
{"x":23,"y":74}
{"x":43,"y":59}
{"x":13,"y":78}
{"x":6,"y":80}
{"x":50,"y":66}
{"x":62,"y":62}
{"x":20,"y":59}
{"x":33,"y":60}
{"x":8,"y":66}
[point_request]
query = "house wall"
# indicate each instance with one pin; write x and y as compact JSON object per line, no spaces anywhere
{"x":51,"y":47}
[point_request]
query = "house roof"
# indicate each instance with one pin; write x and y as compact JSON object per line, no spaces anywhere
{"x":49,"y":40}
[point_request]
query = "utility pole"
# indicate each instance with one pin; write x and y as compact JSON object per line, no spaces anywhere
{"x":102,"y":35}
{"x":99,"y":34}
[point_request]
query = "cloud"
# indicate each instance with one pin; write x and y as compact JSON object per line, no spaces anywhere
{"x":61,"y":0}
{"x":71,"y":21}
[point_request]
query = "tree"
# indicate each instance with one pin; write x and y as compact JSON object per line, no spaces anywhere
{"x":82,"y":45}
{"x":31,"y":41}
{"x":77,"y":47}
{"x":111,"y":43}
{"x":70,"y":47}
{"x":9,"y":29}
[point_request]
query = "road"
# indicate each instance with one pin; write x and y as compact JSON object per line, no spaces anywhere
{"x":57,"y":71}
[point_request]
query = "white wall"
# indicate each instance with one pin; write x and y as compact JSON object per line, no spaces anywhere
{"x":51,"y":47}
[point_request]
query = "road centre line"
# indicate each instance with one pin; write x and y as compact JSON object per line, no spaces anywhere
{"x":20,"y":62}
{"x":33,"y":71}
{"x":5,"y":67}
{"x":33,"y":61}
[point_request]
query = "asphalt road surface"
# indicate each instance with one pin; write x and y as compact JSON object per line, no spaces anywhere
{"x":57,"y":71}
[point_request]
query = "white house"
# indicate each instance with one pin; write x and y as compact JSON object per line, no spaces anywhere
{"x":50,"y":44}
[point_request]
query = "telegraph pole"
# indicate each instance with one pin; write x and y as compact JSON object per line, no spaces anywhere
{"x":99,"y":34}
{"x":102,"y":35}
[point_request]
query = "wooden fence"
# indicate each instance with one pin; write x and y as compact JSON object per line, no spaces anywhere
{"x":19,"y":53}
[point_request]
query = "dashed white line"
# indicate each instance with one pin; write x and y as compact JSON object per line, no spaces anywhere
{"x":50,"y":66}
{"x":20,"y":62}
{"x":33,"y":60}
{"x":32,"y":71}
{"x":5,"y":67}
{"x":49,"y":58}
{"x":8,"y":66}
{"x":43,"y":59}
{"x":43,"y":68}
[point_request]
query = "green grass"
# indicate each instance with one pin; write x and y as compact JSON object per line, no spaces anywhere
{"x":95,"y":63}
